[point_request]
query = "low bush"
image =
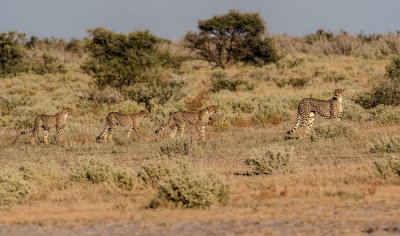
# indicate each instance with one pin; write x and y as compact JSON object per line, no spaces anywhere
{"x":385,"y":114}
{"x":179,"y":146}
{"x":385,"y":144}
{"x":13,"y":188}
{"x":269,"y":160}
{"x":334,"y":130}
{"x":153,"y":170}
{"x":47,"y":64}
{"x":387,"y":167}
{"x":352,"y":111}
{"x":270,"y":114}
{"x":220,"y":81}
{"x":95,"y":170}
{"x":41,"y":172}
{"x":192,"y":188}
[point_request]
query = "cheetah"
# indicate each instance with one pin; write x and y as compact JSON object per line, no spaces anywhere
{"x":47,"y":122}
{"x":328,"y":109}
{"x":199,"y":119}
{"x":115,"y":119}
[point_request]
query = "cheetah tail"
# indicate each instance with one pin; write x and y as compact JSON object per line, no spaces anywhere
{"x":296,"y":125}
{"x":22,"y":133}
{"x":164,"y":126}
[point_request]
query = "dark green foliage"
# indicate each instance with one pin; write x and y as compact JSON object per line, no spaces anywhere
{"x":12,"y":53}
{"x":122,"y":60}
{"x":130,"y":63}
{"x":47,"y":65}
{"x":387,"y":92}
{"x":220,"y":81}
{"x":233,"y":37}
{"x":192,"y":188}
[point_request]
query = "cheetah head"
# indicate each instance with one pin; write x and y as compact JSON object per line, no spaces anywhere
{"x":143,"y":114}
{"x":66,"y":112}
{"x":338,"y":93}
{"x":212,"y":110}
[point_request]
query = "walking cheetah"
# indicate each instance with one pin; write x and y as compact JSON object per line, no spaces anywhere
{"x":329,"y":109}
{"x":47,"y":122}
{"x":115,"y":119}
{"x":199,"y":119}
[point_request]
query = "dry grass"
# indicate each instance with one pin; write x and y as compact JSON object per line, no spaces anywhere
{"x":333,"y":189}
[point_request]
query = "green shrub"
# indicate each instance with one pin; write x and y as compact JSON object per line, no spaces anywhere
{"x":243,"y":106}
{"x":47,"y":65}
{"x":95,"y":170}
{"x":387,"y":167}
{"x":131,"y":63}
{"x":179,"y":146}
{"x":220,"y":81}
{"x":12,"y":53}
{"x":333,"y":130}
{"x":385,"y":114}
{"x":387,"y":91}
{"x":385,"y":144}
{"x":192,"y":188}
{"x":154,"y":170}
{"x":125,"y":178}
{"x":13,"y":188}
{"x":352,"y":111}
{"x":270,"y":114}
{"x":269,"y":160}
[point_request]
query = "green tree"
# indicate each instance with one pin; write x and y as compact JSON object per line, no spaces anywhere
{"x":12,"y":53}
{"x":131,"y":63}
{"x":232,"y":37}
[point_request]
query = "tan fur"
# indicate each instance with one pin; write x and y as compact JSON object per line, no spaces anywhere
{"x":180,"y":118}
{"x":115,"y":119}
{"x":309,"y":107}
{"x":47,"y":122}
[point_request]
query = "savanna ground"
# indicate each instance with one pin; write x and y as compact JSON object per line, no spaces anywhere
{"x":331,"y":188}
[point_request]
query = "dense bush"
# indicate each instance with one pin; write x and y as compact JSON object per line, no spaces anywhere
{"x":192,"y":188}
{"x":95,"y":170}
{"x":269,"y":160}
{"x":352,"y":111}
{"x":131,"y":63}
{"x":220,"y":81}
{"x":386,"y":114}
{"x":156,"y":169}
{"x":270,"y":113}
{"x":47,"y":64}
{"x":387,"y":167}
{"x":387,"y":91}
{"x":12,"y":53}
{"x":233,"y":37}
{"x":179,"y":146}
{"x":385,"y":144}
{"x":333,"y":130}
{"x":13,"y":188}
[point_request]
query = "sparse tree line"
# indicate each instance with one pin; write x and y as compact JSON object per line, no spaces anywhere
{"x":135,"y":63}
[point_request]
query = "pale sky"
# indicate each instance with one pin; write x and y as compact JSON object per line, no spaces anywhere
{"x":171,"y":19}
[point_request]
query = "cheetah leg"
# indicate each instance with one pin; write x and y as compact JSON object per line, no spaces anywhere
{"x":110,"y":134}
{"x":103,"y":134}
{"x":129,"y":134}
{"x":311,"y":119}
{"x":174,"y":132}
{"x":60,"y":134}
{"x":203,"y":133}
{"x":303,"y":123}
{"x":181,"y":129}
{"x":137,"y":131}
{"x":34,"y":136}
{"x":46,"y":136}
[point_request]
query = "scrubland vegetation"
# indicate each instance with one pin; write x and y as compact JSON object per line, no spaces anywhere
{"x":246,"y":178}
